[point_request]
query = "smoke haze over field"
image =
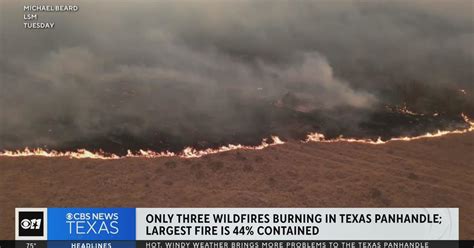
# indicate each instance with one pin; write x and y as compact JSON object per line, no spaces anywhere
{"x":166,"y":74}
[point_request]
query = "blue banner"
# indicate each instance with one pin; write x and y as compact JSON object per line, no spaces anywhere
{"x":91,"y":224}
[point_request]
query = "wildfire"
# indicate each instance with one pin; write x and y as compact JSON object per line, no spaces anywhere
{"x":190,"y":152}
{"x":186,"y":153}
{"x":402,"y":110}
{"x":317,"y":137}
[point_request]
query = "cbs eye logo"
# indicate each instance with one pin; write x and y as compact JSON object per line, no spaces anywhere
{"x":30,"y":223}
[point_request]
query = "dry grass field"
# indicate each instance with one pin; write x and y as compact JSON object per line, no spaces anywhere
{"x":435,"y":172}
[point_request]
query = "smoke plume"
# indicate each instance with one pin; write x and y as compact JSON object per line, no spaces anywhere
{"x":169,"y":74}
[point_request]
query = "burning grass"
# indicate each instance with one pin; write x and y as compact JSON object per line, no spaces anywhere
{"x":190,"y":152}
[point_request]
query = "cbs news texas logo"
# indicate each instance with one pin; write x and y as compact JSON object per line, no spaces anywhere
{"x":75,"y":224}
{"x":30,"y":223}
{"x":91,"y":224}
{"x":85,"y":223}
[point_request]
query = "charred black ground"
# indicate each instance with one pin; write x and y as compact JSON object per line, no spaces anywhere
{"x":383,"y":124}
{"x":278,"y":118}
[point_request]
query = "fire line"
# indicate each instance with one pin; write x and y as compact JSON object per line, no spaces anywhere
{"x":190,"y":152}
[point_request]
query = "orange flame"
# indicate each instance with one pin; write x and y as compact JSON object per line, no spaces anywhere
{"x":317,"y":137}
{"x":81,"y":153}
{"x":186,"y":153}
{"x":402,"y":110}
